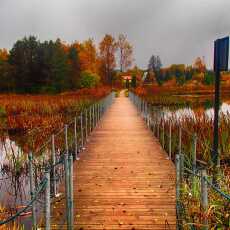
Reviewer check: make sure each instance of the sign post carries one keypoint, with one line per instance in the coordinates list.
(221, 54)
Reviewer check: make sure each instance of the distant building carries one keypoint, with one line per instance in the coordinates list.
(127, 80)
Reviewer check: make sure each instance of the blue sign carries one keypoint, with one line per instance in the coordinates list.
(221, 54)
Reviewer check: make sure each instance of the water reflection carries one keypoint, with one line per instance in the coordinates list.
(13, 175)
(189, 112)
(14, 182)
(224, 110)
(179, 114)
(14, 178)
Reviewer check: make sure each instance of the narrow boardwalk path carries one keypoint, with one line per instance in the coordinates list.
(123, 179)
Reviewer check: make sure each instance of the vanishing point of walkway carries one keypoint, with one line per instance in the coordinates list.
(123, 179)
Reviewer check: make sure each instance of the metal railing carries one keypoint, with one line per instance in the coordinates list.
(53, 162)
(189, 169)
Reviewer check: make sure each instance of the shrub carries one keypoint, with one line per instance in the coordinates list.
(134, 81)
(209, 78)
(117, 93)
(89, 79)
(2, 112)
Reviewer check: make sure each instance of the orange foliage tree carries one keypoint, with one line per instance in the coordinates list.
(3, 55)
(88, 56)
(108, 47)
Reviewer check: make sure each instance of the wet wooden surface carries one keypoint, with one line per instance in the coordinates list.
(123, 179)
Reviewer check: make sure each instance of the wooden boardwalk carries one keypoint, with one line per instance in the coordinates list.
(123, 179)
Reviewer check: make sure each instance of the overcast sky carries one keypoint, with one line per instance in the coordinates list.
(176, 30)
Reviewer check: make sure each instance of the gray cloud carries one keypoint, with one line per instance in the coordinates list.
(177, 30)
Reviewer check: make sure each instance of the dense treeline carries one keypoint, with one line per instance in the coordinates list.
(179, 72)
(32, 66)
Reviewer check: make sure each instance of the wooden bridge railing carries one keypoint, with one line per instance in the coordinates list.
(191, 173)
(54, 164)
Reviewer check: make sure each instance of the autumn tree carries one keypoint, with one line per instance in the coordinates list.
(74, 65)
(199, 65)
(125, 52)
(155, 64)
(39, 67)
(24, 57)
(108, 48)
(7, 83)
(88, 56)
(178, 70)
(3, 55)
(89, 79)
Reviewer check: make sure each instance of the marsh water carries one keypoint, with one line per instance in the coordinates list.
(14, 179)
(14, 182)
(189, 112)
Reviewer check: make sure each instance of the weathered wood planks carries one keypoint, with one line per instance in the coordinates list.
(123, 179)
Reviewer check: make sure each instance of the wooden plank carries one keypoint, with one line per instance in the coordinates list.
(124, 179)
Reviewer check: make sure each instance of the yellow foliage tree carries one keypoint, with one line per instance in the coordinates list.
(3, 55)
(199, 65)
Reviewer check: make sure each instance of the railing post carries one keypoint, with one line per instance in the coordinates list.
(180, 141)
(92, 116)
(90, 119)
(98, 112)
(86, 125)
(141, 107)
(163, 134)
(75, 139)
(182, 168)
(140, 104)
(66, 140)
(53, 164)
(158, 129)
(100, 106)
(178, 180)
(71, 192)
(47, 201)
(153, 125)
(170, 140)
(67, 171)
(31, 176)
(194, 164)
(104, 106)
(204, 198)
(149, 122)
(144, 110)
(194, 153)
(82, 131)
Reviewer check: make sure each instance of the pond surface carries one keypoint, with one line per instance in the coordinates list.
(14, 180)
(188, 112)
(15, 183)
